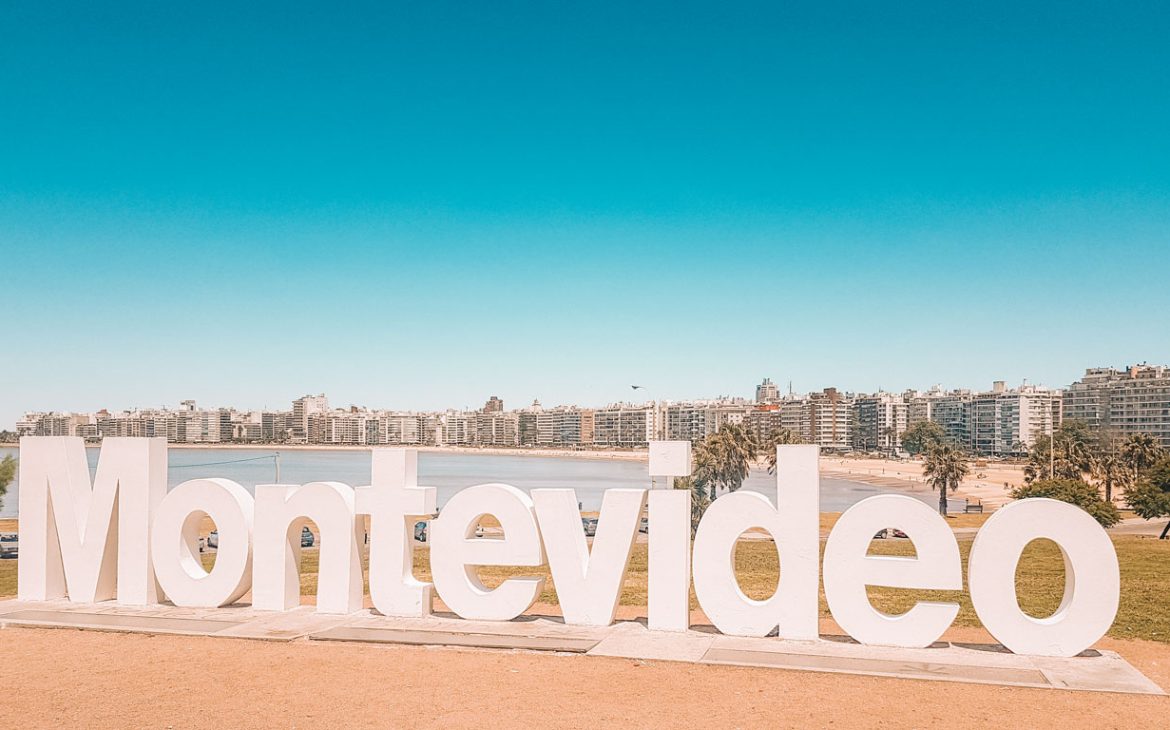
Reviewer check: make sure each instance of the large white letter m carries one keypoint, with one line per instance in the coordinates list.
(70, 542)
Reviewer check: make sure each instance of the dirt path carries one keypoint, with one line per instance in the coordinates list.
(64, 678)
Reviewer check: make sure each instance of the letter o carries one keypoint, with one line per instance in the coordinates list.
(1092, 580)
(174, 543)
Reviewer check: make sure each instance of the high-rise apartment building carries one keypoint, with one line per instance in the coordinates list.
(949, 409)
(827, 420)
(559, 426)
(526, 425)
(623, 425)
(586, 426)
(304, 407)
(688, 421)
(1008, 422)
(767, 392)
(493, 405)
(496, 428)
(1123, 402)
(879, 421)
(458, 428)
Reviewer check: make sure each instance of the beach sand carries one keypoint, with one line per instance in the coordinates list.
(603, 454)
(985, 483)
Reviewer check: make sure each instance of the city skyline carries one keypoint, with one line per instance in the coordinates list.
(1000, 421)
(633, 398)
(633, 394)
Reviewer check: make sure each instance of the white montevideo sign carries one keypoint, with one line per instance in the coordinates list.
(123, 536)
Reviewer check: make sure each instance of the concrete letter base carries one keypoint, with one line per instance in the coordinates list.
(1100, 671)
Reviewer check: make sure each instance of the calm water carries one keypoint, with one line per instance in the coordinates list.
(447, 472)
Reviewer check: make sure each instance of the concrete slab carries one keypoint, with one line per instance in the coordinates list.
(1100, 671)
(113, 622)
(634, 641)
(525, 626)
(284, 625)
(446, 638)
(1016, 677)
(1107, 673)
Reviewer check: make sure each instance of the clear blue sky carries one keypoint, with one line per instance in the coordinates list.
(420, 205)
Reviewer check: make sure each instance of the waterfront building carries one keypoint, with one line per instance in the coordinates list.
(341, 427)
(949, 409)
(997, 422)
(457, 428)
(878, 422)
(195, 426)
(827, 420)
(46, 424)
(497, 428)
(302, 409)
(586, 426)
(526, 425)
(1005, 422)
(688, 421)
(248, 428)
(402, 428)
(623, 425)
(764, 422)
(792, 415)
(560, 426)
(1122, 402)
(275, 426)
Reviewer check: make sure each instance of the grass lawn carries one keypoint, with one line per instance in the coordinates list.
(1144, 612)
(1145, 581)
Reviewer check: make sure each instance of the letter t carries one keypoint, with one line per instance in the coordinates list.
(394, 502)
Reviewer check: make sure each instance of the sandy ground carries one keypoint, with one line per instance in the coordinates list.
(985, 483)
(605, 454)
(67, 678)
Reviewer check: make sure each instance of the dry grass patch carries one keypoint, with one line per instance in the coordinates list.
(7, 578)
(1143, 613)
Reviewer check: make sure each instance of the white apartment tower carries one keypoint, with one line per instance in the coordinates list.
(1124, 402)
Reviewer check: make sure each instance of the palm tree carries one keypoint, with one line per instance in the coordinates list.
(699, 498)
(1109, 470)
(7, 474)
(724, 459)
(1140, 451)
(1067, 454)
(945, 468)
(783, 437)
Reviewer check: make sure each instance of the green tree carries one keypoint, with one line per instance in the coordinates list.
(699, 498)
(1074, 491)
(725, 458)
(783, 437)
(1149, 497)
(1140, 452)
(1067, 454)
(8, 437)
(922, 437)
(945, 468)
(1109, 470)
(7, 474)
